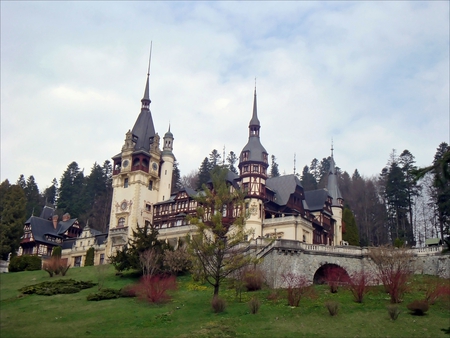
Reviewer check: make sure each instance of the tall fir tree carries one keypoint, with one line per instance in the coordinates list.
(71, 197)
(203, 173)
(308, 180)
(274, 171)
(12, 220)
(34, 200)
(50, 194)
(351, 234)
(231, 161)
(176, 178)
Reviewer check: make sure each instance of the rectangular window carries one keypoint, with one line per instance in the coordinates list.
(125, 183)
(148, 207)
(77, 261)
(102, 258)
(150, 185)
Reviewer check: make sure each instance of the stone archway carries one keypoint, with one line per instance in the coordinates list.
(329, 271)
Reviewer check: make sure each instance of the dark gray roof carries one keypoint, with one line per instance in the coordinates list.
(255, 149)
(332, 186)
(254, 121)
(283, 186)
(144, 130)
(47, 212)
(63, 226)
(41, 227)
(316, 199)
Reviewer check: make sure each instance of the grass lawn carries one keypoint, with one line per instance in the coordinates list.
(189, 313)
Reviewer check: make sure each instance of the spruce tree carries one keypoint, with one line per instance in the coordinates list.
(203, 173)
(308, 180)
(231, 160)
(351, 234)
(274, 172)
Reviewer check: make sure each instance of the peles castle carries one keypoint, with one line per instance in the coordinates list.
(278, 207)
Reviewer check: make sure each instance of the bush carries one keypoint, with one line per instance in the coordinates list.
(57, 251)
(177, 261)
(418, 307)
(55, 287)
(254, 305)
(335, 276)
(393, 311)
(359, 283)
(253, 279)
(436, 289)
(153, 289)
(218, 304)
(106, 293)
(332, 307)
(25, 263)
(128, 291)
(89, 261)
(56, 265)
(297, 287)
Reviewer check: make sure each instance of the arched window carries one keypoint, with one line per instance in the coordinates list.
(121, 222)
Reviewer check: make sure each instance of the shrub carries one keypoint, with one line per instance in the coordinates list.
(25, 263)
(153, 289)
(393, 311)
(335, 276)
(436, 289)
(297, 287)
(55, 287)
(56, 265)
(57, 251)
(359, 283)
(106, 293)
(418, 307)
(332, 307)
(128, 291)
(254, 305)
(218, 304)
(394, 267)
(89, 261)
(253, 279)
(177, 261)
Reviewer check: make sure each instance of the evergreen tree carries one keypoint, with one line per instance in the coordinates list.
(12, 219)
(71, 197)
(351, 234)
(220, 228)
(50, 193)
(90, 253)
(176, 178)
(21, 182)
(231, 160)
(324, 170)
(34, 204)
(214, 159)
(308, 180)
(3, 189)
(314, 169)
(203, 173)
(274, 172)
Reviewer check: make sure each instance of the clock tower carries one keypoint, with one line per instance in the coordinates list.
(142, 174)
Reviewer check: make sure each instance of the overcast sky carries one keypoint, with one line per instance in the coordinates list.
(372, 76)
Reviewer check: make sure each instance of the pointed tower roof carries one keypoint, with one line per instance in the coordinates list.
(144, 130)
(254, 147)
(332, 187)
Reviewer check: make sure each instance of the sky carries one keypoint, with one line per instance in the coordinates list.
(367, 76)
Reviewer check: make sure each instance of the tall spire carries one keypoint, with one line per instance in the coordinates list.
(146, 99)
(332, 186)
(254, 124)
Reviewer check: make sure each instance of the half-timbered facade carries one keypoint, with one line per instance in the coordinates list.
(43, 233)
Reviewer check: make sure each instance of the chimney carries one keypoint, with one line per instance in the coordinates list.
(55, 221)
(66, 217)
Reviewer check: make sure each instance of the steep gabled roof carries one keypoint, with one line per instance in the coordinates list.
(41, 227)
(316, 199)
(283, 186)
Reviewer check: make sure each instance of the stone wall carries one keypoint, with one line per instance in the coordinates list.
(283, 256)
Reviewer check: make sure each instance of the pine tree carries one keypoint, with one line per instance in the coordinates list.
(274, 172)
(203, 173)
(176, 178)
(34, 202)
(50, 193)
(308, 180)
(220, 228)
(71, 197)
(214, 159)
(314, 169)
(231, 160)
(351, 234)
(12, 220)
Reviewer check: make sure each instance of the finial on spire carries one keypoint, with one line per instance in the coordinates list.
(294, 163)
(149, 59)
(332, 147)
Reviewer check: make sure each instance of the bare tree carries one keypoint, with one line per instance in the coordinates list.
(149, 261)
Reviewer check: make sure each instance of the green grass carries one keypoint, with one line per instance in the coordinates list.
(189, 313)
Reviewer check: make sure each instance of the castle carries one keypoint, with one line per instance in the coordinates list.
(277, 207)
